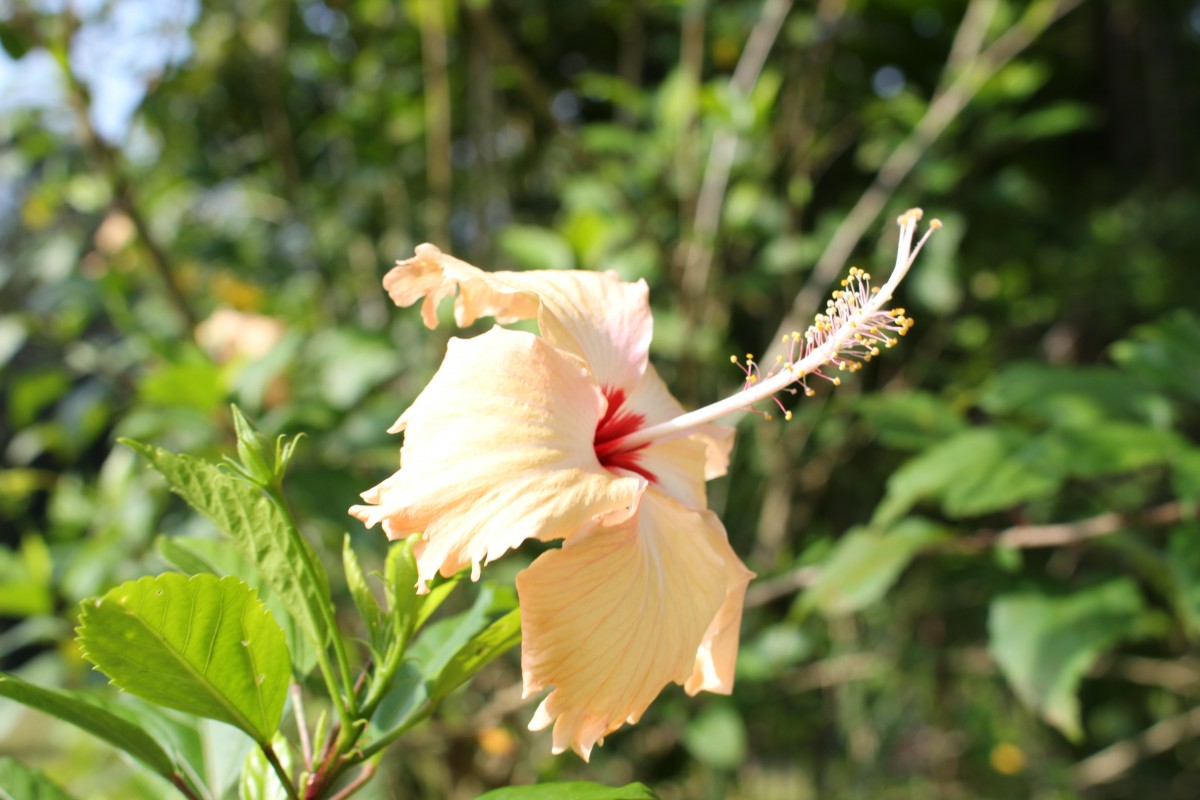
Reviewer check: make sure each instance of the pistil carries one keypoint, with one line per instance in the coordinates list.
(853, 326)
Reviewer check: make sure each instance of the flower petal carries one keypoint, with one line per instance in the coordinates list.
(717, 656)
(618, 613)
(497, 449)
(680, 466)
(594, 315)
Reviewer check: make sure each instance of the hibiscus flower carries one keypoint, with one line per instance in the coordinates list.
(572, 436)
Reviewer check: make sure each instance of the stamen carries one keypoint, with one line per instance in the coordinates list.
(848, 334)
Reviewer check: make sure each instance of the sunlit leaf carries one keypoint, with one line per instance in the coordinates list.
(284, 559)
(360, 592)
(204, 645)
(496, 639)
(193, 555)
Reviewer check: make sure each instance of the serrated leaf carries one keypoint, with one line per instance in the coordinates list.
(573, 790)
(865, 564)
(496, 639)
(19, 782)
(193, 555)
(284, 559)
(204, 645)
(92, 714)
(1044, 645)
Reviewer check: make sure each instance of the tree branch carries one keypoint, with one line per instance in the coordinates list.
(1115, 760)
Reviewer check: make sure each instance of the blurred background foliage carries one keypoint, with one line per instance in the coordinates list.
(979, 560)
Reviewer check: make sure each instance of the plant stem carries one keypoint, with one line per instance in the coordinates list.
(179, 783)
(342, 694)
(360, 780)
(301, 725)
(276, 765)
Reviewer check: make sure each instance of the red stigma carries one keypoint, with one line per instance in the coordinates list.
(617, 423)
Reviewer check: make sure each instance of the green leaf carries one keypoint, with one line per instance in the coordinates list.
(910, 420)
(975, 472)
(717, 737)
(360, 592)
(531, 247)
(865, 564)
(405, 607)
(193, 555)
(19, 782)
(92, 714)
(443, 641)
(204, 645)
(260, 530)
(1183, 563)
(1163, 354)
(1044, 645)
(496, 639)
(574, 790)
(1072, 396)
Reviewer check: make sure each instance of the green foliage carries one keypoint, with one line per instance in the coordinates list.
(1044, 644)
(204, 645)
(865, 564)
(94, 715)
(285, 154)
(19, 782)
(575, 790)
(261, 531)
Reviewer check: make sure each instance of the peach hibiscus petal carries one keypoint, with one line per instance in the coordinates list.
(617, 614)
(498, 449)
(717, 656)
(680, 466)
(594, 315)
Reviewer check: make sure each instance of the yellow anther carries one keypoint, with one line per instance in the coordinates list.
(778, 359)
(751, 379)
(795, 336)
(785, 338)
(837, 381)
(733, 359)
(808, 392)
(935, 224)
(787, 415)
(749, 356)
(768, 417)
